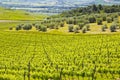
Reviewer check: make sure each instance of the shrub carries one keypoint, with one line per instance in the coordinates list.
(27, 27)
(70, 27)
(76, 29)
(92, 19)
(62, 24)
(116, 20)
(81, 25)
(56, 26)
(70, 21)
(33, 24)
(75, 22)
(10, 28)
(115, 15)
(51, 26)
(113, 28)
(99, 21)
(19, 27)
(118, 13)
(43, 28)
(37, 26)
(84, 30)
(104, 18)
(103, 28)
(86, 22)
(109, 20)
(87, 27)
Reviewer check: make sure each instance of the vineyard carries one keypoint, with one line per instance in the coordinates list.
(42, 56)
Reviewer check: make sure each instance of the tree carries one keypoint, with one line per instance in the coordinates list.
(43, 28)
(94, 7)
(19, 27)
(84, 30)
(99, 21)
(92, 19)
(81, 25)
(70, 27)
(103, 28)
(87, 27)
(38, 26)
(113, 28)
(62, 24)
(10, 28)
(51, 26)
(104, 18)
(109, 20)
(27, 27)
(100, 7)
(76, 29)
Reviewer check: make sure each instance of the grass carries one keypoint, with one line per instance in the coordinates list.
(8, 14)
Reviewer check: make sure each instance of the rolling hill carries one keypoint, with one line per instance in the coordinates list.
(9, 14)
(52, 6)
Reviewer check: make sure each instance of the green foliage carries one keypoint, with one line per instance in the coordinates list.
(38, 26)
(27, 27)
(62, 24)
(51, 25)
(70, 28)
(109, 19)
(99, 21)
(43, 28)
(87, 27)
(81, 25)
(92, 19)
(10, 28)
(103, 28)
(76, 29)
(19, 27)
(113, 28)
(84, 30)
(104, 18)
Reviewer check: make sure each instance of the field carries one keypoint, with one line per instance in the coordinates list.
(8, 14)
(29, 55)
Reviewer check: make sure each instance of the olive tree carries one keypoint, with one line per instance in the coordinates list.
(84, 30)
(99, 21)
(113, 28)
(76, 29)
(27, 27)
(43, 28)
(70, 28)
(109, 20)
(19, 27)
(92, 19)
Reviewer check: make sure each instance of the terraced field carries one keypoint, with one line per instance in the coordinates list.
(42, 56)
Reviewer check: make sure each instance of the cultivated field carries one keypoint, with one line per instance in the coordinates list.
(43, 56)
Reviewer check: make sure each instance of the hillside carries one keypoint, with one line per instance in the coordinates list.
(92, 19)
(52, 6)
(9, 14)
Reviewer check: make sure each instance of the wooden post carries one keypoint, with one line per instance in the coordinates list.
(29, 71)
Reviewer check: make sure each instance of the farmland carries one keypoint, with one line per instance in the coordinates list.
(58, 56)
(9, 14)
